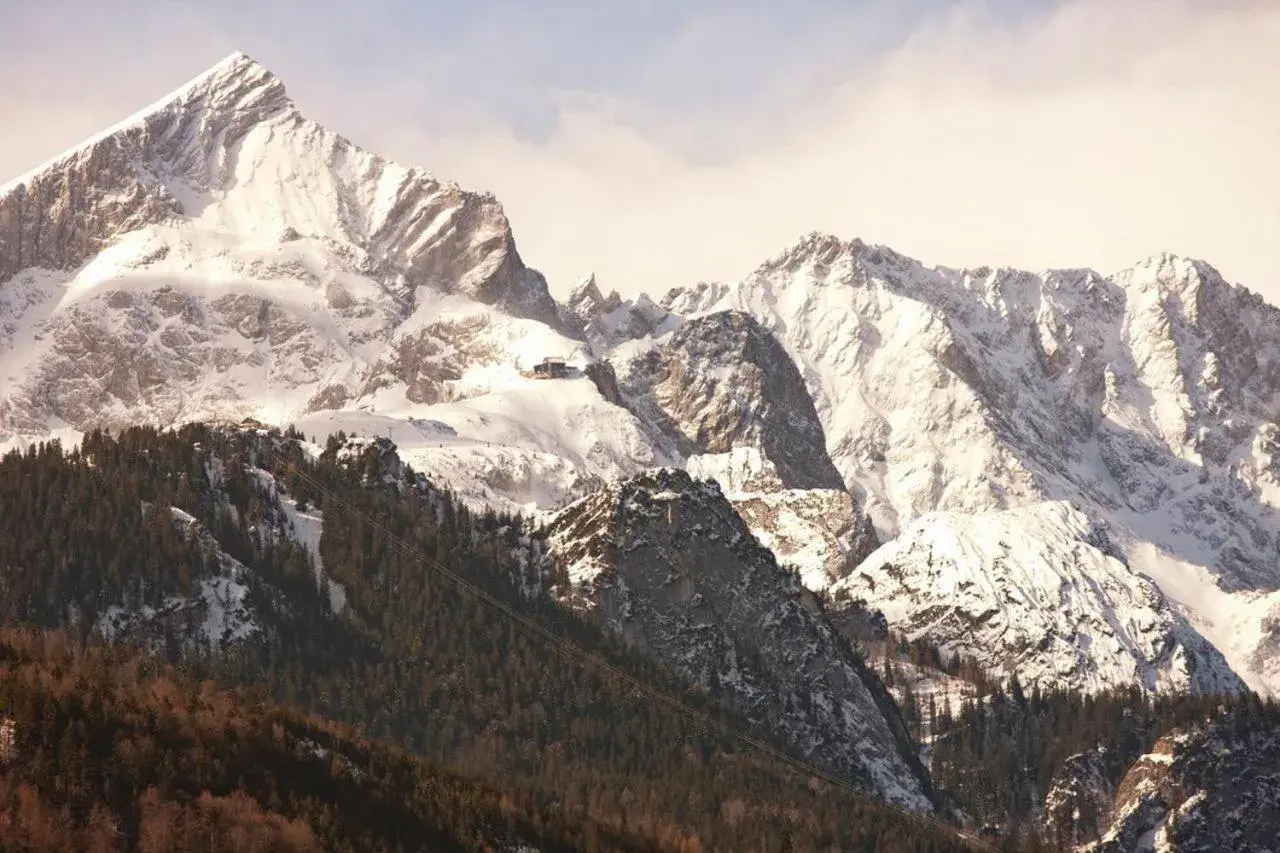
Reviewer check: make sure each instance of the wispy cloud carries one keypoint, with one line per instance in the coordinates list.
(679, 141)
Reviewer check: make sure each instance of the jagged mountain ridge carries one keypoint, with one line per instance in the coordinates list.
(974, 391)
(608, 320)
(199, 146)
(1037, 375)
(218, 255)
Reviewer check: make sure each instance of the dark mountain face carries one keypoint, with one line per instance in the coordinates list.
(1209, 787)
(1078, 805)
(663, 562)
(1111, 771)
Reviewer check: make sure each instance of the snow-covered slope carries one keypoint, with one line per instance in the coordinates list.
(1146, 400)
(525, 446)
(218, 254)
(1040, 591)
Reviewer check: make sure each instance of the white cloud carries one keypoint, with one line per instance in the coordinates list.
(1094, 137)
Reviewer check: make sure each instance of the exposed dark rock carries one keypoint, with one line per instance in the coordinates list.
(664, 562)
(1214, 788)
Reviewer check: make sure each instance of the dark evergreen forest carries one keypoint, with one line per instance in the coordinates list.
(410, 660)
(114, 751)
(999, 752)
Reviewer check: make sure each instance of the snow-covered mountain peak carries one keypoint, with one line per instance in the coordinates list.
(217, 254)
(825, 260)
(813, 246)
(585, 288)
(235, 64)
(588, 301)
(606, 319)
(832, 260)
(723, 395)
(230, 153)
(1147, 399)
(1168, 268)
(236, 75)
(1189, 282)
(232, 91)
(814, 256)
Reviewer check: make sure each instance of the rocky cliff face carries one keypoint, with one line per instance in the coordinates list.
(721, 382)
(819, 534)
(725, 397)
(1077, 808)
(1209, 788)
(664, 562)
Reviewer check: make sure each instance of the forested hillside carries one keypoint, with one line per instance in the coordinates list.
(1000, 753)
(171, 533)
(114, 751)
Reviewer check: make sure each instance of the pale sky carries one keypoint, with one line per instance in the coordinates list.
(663, 142)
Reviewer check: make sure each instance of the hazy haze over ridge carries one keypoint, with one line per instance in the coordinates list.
(680, 141)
